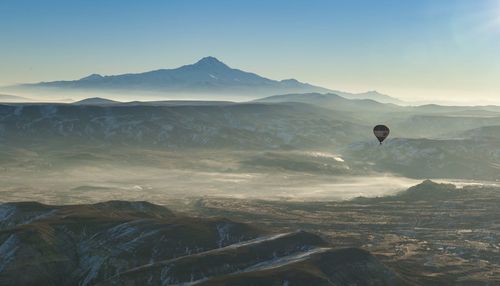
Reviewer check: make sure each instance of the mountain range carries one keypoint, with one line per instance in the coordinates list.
(176, 125)
(332, 101)
(208, 76)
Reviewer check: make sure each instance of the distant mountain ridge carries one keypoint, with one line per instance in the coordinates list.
(330, 100)
(207, 76)
(373, 95)
(95, 101)
(13, 98)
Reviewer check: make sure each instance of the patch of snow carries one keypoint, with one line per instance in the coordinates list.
(91, 266)
(258, 240)
(326, 155)
(121, 230)
(129, 246)
(42, 216)
(137, 188)
(273, 263)
(165, 279)
(223, 233)
(278, 262)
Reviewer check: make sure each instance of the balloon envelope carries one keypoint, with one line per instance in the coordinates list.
(381, 132)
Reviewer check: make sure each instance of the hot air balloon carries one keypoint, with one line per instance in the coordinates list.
(381, 132)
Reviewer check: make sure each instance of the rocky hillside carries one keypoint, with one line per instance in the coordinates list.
(138, 243)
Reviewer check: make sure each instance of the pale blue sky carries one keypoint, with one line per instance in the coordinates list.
(410, 49)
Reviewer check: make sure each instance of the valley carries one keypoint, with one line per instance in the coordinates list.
(281, 190)
(250, 143)
(431, 234)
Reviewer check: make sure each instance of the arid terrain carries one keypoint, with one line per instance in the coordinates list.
(432, 234)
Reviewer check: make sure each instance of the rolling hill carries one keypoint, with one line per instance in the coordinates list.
(14, 98)
(237, 126)
(332, 101)
(373, 95)
(96, 101)
(138, 243)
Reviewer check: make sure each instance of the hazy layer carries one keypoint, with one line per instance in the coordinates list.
(179, 176)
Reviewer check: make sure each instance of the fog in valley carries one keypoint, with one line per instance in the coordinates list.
(310, 146)
(162, 176)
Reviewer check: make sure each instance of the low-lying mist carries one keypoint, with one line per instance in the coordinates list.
(159, 177)
(67, 96)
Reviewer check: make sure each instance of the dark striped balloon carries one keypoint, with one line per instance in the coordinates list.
(381, 132)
